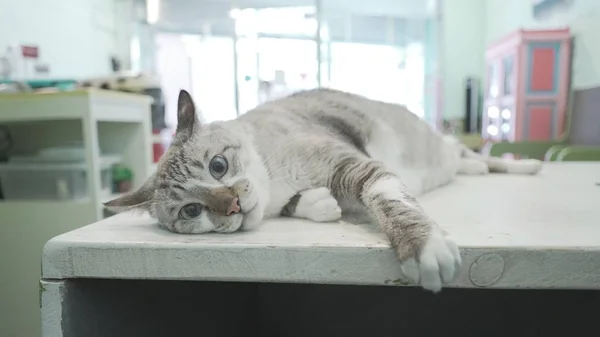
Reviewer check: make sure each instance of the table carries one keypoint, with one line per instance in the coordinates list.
(515, 232)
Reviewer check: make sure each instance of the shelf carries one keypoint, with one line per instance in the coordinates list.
(102, 122)
(100, 105)
(16, 204)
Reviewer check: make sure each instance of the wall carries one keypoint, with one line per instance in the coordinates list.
(461, 52)
(583, 17)
(76, 38)
(468, 26)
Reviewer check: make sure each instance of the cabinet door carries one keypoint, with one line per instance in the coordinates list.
(542, 77)
(508, 99)
(540, 121)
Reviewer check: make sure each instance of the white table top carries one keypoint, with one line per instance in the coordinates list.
(514, 232)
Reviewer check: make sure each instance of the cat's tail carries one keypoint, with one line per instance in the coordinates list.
(472, 163)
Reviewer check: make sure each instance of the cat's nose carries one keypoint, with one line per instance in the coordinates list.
(234, 207)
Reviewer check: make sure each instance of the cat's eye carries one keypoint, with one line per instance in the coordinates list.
(190, 211)
(218, 166)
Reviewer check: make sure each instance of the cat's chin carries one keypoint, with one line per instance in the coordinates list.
(228, 229)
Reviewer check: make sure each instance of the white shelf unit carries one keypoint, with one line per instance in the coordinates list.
(105, 122)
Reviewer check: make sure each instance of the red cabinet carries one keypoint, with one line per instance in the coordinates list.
(527, 86)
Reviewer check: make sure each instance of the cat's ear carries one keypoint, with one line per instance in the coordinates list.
(187, 120)
(140, 200)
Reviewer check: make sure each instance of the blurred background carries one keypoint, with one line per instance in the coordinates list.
(233, 55)
(88, 90)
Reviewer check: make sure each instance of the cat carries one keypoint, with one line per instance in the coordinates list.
(313, 155)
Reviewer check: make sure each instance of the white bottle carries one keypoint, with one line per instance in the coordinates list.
(62, 189)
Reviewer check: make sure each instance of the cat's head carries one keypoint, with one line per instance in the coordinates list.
(211, 179)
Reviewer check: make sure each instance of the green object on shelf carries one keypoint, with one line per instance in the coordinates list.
(579, 153)
(553, 151)
(60, 84)
(549, 151)
(121, 173)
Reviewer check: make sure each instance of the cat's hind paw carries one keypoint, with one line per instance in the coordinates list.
(525, 166)
(437, 264)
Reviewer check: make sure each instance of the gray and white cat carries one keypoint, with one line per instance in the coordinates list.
(312, 155)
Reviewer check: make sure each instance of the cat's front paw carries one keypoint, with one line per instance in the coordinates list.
(436, 264)
(318, 205)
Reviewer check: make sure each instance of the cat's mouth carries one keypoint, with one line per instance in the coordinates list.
(251, 215)
(245, 210)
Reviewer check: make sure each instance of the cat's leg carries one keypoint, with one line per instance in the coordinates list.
(502, 165)
(458, 155)
(522, 166)
(315, 204)
(471, 166)
(428, 257)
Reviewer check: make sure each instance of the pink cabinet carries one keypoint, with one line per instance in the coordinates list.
(527, 85)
